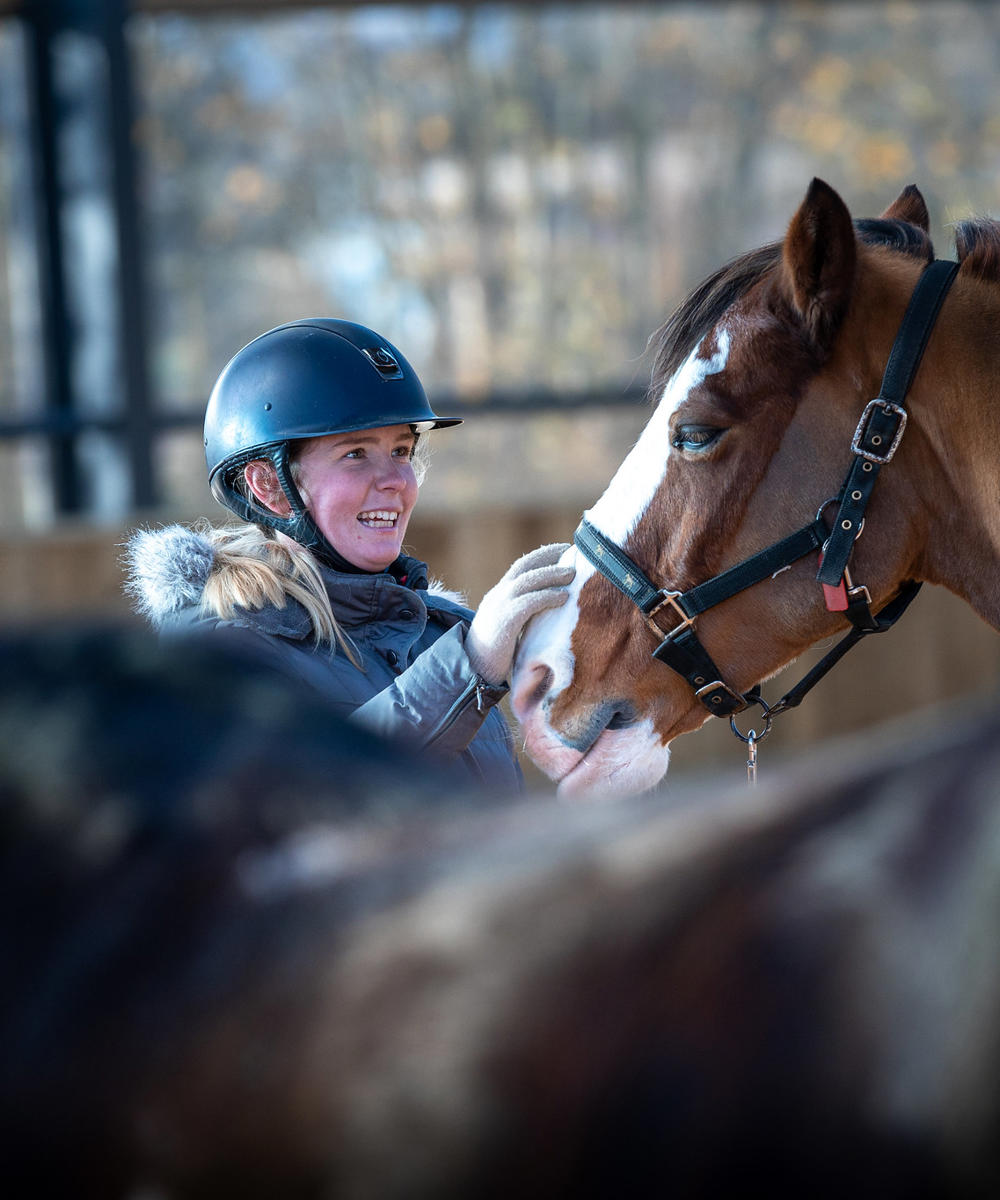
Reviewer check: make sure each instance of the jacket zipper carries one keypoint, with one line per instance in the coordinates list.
(475, 687)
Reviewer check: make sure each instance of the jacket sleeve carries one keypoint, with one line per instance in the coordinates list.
(438, 703)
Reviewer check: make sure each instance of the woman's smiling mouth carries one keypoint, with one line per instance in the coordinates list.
(378, 519)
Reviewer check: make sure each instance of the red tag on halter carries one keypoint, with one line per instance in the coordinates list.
(835, 594)
(836, 597)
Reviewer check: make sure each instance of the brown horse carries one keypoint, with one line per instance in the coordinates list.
(761, 378)
(250, 953)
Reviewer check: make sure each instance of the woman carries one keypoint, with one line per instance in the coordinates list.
(310, 437)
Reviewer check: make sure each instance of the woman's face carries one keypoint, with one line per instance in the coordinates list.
(360, 490)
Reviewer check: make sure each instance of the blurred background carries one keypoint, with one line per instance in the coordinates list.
(517, 195)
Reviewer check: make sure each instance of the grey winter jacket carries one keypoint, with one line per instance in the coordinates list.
(417, 684)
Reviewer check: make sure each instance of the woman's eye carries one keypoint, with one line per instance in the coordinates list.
(695, 437)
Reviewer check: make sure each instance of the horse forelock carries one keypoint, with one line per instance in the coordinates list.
(977, 244)
(896, 235)
(702, 310)
(698, 315)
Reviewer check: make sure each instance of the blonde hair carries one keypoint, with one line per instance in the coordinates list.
(253, 567)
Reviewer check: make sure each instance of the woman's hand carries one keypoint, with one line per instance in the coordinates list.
(534, 583)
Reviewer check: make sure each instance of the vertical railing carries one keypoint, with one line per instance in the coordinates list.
(132, 294)
(42, 21)
(103, 21)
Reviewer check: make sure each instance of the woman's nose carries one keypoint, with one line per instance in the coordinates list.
(393, 474)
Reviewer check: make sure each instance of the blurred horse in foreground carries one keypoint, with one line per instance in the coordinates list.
(250, 952)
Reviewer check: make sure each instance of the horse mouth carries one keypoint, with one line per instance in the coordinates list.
(620, 761)
(579, 782)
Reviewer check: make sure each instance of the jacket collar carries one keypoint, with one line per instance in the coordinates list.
(358, 600)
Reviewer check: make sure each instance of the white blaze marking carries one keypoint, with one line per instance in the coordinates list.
(635, 483)
(618, 512)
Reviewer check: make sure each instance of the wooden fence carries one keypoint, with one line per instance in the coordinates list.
(939, 651)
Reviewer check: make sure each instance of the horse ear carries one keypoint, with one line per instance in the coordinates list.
(818, 261)
(909, 206)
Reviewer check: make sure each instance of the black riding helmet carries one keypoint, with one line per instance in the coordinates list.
(303, 380)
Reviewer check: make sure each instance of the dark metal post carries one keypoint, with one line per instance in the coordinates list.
(43, 19)
(133, 332)
(103, 20)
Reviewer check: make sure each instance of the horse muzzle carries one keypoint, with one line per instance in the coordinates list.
(589, 750)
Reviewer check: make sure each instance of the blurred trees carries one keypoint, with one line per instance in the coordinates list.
(515, 195)
(519, 195)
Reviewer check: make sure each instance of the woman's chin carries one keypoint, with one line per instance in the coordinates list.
(374, 551)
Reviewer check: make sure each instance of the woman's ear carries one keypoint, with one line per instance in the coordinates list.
(262, 480)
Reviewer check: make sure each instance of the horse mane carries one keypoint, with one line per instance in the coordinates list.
(977, 244)
(706, 305)
(896, 234)
(703, 309)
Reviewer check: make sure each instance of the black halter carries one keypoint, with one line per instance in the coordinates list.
(672, 614)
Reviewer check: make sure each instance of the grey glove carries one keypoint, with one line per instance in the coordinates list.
(534, 583)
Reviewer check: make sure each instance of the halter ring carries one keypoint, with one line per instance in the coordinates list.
(822, 509)
(752, 735)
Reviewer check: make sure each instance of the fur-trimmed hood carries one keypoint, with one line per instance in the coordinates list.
(167, 570)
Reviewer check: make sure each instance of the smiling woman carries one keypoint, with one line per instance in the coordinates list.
(359, 486)
(310, 438)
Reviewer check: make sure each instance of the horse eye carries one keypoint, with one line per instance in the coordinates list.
(695, 437)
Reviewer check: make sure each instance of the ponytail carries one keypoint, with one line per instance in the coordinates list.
(254, 567)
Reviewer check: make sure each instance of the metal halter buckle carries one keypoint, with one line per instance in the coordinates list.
(669, 600)
(859, 433)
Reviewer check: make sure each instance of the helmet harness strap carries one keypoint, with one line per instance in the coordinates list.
(301, 527)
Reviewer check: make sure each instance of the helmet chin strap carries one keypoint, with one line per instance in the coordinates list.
(301, 527)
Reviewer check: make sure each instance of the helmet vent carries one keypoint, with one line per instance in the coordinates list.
(384, 361)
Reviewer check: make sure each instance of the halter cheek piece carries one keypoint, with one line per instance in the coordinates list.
(671, 614)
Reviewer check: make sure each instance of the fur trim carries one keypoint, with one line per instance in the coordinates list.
(167, 570)
(436, 588)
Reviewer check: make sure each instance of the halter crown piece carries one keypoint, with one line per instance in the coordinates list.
(671, 614)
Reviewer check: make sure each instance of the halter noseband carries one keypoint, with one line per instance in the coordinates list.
(875, 441)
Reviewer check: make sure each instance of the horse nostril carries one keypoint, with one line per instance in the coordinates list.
(530, 689)
(542, 686)
(622, 717)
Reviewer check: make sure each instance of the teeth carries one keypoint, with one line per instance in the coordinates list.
(378, 515)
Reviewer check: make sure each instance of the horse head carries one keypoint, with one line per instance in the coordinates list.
(759, 380)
